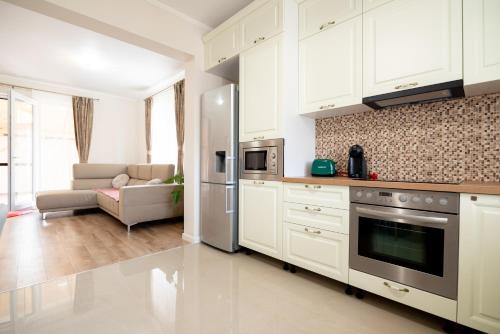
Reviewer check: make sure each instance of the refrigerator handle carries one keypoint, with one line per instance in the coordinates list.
(230, 169)
(229, 199)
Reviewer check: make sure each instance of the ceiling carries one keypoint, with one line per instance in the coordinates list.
(37, 47)
(208, 12)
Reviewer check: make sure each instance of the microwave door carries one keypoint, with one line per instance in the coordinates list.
(219, 136)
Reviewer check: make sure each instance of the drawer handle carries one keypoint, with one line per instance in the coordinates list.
(311, 231)
(328, 106)
(396, 288)
(312, 209)
(411, 84)
(324, 25)
(317, 187)
(259, 137)
(258, 39)
(258, 182)
(221, 60)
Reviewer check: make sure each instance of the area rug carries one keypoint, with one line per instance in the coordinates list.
(16, 213)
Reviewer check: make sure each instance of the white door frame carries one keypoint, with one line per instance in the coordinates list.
(13, 96)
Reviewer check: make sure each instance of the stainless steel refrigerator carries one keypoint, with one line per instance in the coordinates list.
(219, 170)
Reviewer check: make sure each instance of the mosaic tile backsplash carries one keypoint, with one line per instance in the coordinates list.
(446, 142)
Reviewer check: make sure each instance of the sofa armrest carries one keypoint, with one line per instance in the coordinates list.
(148, 195)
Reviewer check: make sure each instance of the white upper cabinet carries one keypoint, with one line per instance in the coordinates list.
(481, 46)
(260, 91)
(330, 69)
(260, 216)
(411, 43)
(370, 4)
(221, 47)
(319, 15)
(479, 259)
(263, 23)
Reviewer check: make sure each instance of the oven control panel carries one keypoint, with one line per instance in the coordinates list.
(408, 199)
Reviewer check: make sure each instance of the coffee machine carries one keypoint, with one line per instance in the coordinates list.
(356, 167)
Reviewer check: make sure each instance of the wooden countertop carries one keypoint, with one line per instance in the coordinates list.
(490, 188)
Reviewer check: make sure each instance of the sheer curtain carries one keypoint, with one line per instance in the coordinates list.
(56, 142)
(163, 133)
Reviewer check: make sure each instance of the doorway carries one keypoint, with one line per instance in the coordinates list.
(17, 167)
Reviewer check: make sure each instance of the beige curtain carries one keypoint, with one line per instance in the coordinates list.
(149, 104)
(179, 124)
(83, 115)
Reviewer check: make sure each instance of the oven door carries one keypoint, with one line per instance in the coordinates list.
(255, 160)
(412, 247)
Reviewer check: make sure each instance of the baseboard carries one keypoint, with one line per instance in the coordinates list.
(190, 238)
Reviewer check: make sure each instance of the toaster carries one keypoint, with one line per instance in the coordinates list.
(323, 167)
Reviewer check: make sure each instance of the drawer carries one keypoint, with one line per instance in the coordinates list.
(321, 251)
(335, 220)
(422, 300)
(314, 194)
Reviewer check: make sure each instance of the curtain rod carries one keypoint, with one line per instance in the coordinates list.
(47, 91)
(161, 91)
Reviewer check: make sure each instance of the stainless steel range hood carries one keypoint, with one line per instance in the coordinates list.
(442, 91)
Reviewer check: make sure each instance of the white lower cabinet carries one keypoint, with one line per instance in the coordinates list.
(479, 262)
(428, 302)
(334, 220)
(321, 251)
(260, 216)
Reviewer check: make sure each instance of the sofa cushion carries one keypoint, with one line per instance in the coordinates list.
(111, 192)
(98, 171)
(107, 203)
(65, 199)
(144, 172)
(89, 184)
(154, 181)
(136, 182)
(120, 181)
(162, 172)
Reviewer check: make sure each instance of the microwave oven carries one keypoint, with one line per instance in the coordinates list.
(262, 160)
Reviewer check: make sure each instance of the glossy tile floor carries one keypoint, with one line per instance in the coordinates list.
(197, 289)
(33, 250)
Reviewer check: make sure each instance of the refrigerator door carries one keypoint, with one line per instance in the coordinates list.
(219, 225)
(219, 135)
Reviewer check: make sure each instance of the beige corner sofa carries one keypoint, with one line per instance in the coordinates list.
(132, 204)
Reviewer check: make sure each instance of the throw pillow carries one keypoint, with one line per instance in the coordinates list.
(154, 181)
(120, 181)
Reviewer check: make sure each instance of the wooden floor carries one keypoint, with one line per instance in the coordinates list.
(33, 251)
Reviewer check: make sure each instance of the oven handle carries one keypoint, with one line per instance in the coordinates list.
(417, 218)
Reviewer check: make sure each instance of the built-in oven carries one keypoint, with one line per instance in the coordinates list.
(409, 237)
(262, 160)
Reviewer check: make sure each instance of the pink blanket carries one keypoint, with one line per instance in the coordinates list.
(111, 192)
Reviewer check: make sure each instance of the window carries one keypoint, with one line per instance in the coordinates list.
(163, 131)
(56, 140)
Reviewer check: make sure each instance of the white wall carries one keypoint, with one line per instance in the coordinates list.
(116, 135)
(146, 24)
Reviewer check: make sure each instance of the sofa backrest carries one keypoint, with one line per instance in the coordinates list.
(92, 176)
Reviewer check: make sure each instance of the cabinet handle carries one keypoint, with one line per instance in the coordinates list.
(473, 198)
(311, 231)
(258, 182)
(396, 288)
(324, 25)
(328, 106)
(259, 137)
(317, 187)
(221, 59)
(258, 39)
(312, 209)
(411, 84)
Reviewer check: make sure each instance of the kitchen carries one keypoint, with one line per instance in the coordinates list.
(413, 217)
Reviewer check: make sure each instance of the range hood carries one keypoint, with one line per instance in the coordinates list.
(442, 91)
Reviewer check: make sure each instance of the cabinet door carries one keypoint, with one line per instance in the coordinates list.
(221, 47)
(263, 23)
(330, 67)
(411, 43)
(370, 4)
(318, 15)
(260, 91)
(323, 252)
(481, 41)
(479, 259)
(260, 216)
